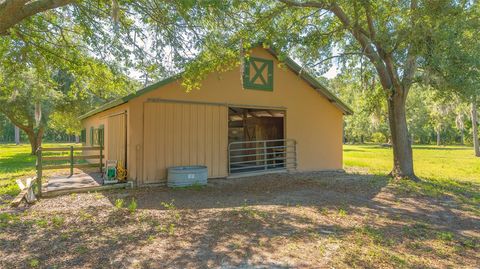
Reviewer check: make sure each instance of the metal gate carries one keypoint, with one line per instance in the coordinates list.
(261, 156)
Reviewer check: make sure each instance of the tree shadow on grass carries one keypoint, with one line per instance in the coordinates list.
(270, 221)
(423, 147)
(17, 163)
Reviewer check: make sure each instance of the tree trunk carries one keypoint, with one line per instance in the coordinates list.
(35, 139)
(17, 135)
(476, 145)
(439, 138)
(402, 148)
(462, 137)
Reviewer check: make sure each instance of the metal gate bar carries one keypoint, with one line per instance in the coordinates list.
(262, 156)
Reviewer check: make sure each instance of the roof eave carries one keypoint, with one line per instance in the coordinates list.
(126, 99)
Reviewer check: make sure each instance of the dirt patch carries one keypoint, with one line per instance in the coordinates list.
(304, 220)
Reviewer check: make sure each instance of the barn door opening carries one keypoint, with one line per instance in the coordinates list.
(257, 141)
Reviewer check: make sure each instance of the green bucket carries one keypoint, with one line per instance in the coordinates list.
(111, 173)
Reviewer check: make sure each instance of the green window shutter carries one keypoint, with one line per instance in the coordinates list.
(258, 74)
(101, 135)
(92, 131)
(83, 136)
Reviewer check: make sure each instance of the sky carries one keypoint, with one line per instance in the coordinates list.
(332, 72)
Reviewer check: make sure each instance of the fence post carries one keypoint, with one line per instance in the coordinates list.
(71, 160)
(265, 154)
(101, 159)
(39, 170)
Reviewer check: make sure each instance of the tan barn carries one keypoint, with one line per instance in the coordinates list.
(279, 119)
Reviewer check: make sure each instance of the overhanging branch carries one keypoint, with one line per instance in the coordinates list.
(13, 12)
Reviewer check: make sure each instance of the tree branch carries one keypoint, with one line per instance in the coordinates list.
(13, 12)
(367, 45)
(337, 56)
(361, 35)
(15, 121)
(411, 62)
(371, 27)
(316, 4)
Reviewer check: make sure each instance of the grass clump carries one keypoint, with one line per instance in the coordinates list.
(342, 212)
(119, 203)
(58, 221)
(445, 236)
(34, 263)
(132, 206)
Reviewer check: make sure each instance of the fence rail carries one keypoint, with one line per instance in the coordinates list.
(71, 158)
(261, 156)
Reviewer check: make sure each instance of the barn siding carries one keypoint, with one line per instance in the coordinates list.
(314, 122)
(184, 134)
(115, 138)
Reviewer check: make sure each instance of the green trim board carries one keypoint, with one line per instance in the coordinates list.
(125, 99)
(92, 131)
(290, 63)
(101, 135)
(257, 79)
(83, 136)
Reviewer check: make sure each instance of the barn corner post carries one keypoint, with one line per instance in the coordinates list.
(101, 159)
(39, 170)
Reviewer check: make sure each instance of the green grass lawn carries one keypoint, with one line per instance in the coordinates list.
(430, 162)
(17, 162)
(450, 163)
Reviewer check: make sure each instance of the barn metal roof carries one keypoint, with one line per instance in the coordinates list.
(290, 63)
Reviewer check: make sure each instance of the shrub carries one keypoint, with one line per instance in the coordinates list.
(378, 138)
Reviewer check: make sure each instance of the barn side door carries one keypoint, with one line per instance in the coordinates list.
(116, 142)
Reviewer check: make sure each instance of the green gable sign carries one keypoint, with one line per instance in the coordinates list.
(258, 74)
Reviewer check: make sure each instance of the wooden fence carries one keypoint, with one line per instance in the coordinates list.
(71, 158)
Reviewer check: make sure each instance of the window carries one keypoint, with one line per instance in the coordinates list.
(258, 74)
(97, 136)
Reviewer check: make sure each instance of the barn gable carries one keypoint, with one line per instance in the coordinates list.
(247, 81)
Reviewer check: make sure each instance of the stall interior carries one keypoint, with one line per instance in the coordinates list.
(256, 139)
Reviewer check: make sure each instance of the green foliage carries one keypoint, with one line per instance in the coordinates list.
(58, 221)
(342, 212)
(174, 215)
(6, 219)
(379, 138)
(445, 236)
(42, 223)
(119, 203)
(34, 263)
(132, 206)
